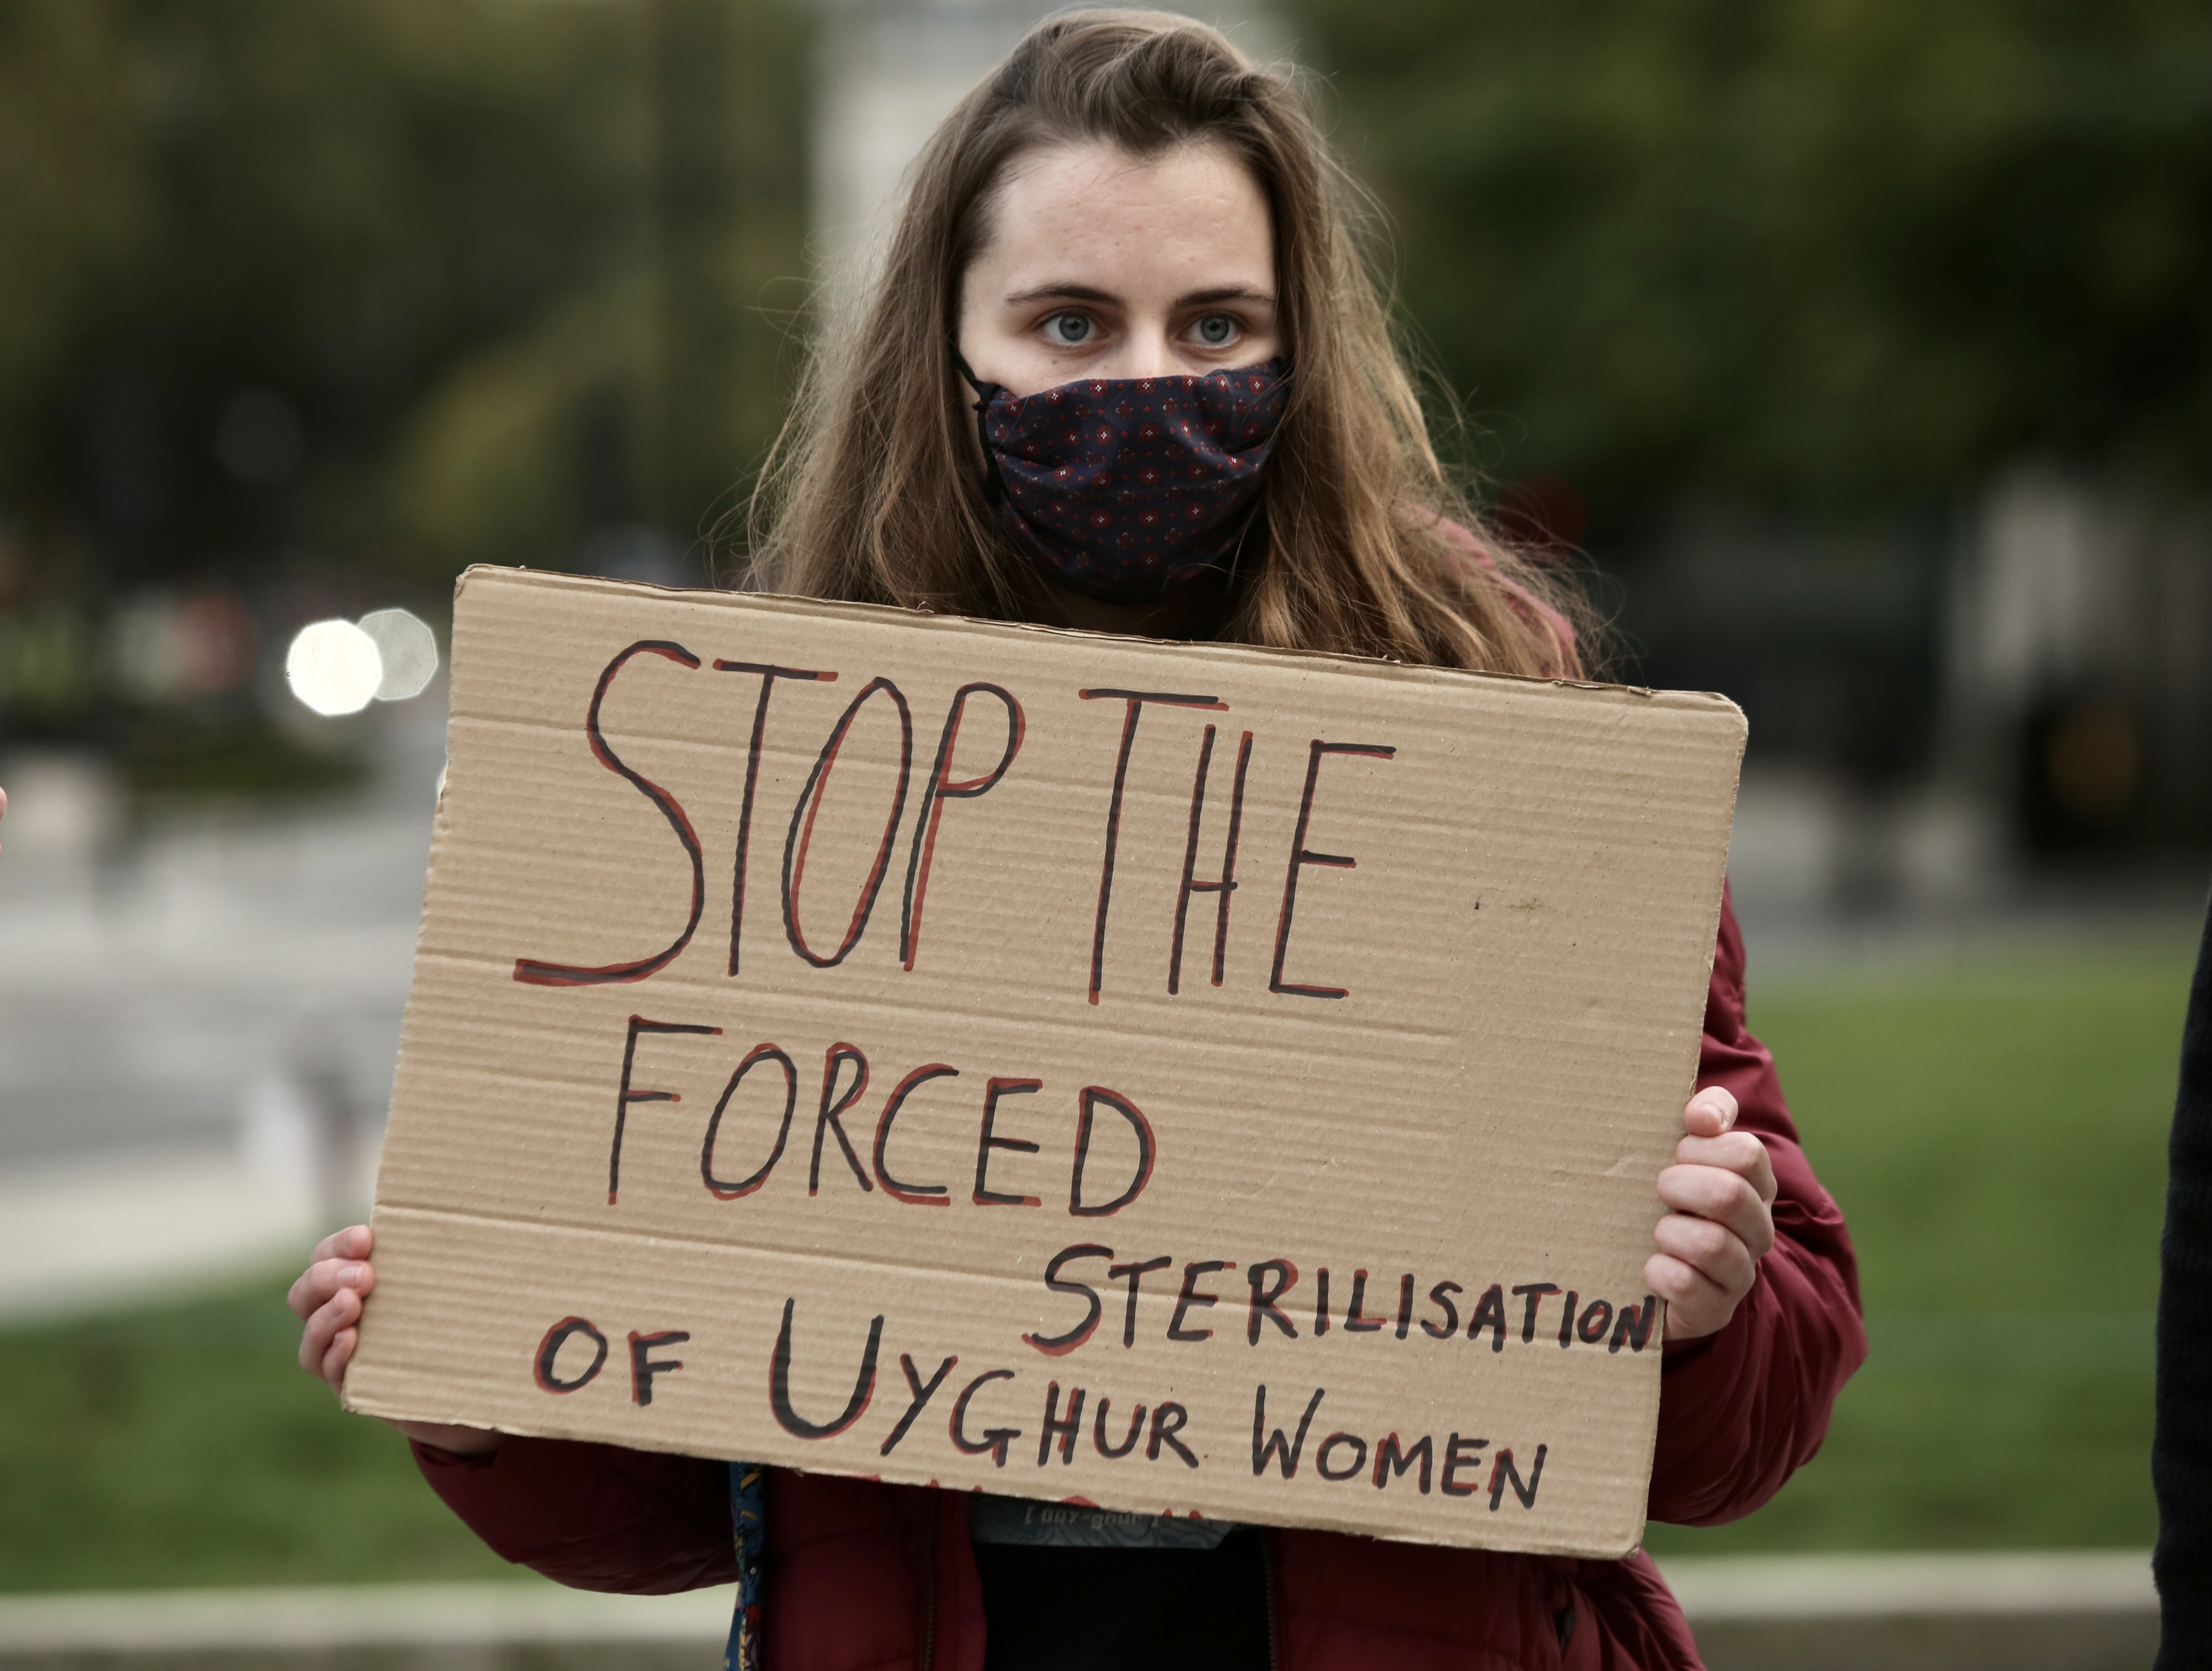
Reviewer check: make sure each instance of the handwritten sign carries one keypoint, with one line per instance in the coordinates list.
(1181, 1078)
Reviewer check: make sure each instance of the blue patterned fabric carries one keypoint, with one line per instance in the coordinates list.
(748, 1522)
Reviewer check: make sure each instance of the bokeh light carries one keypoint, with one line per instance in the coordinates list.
(334, 667)
(409, 649)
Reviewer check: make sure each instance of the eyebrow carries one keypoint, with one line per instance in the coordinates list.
(1065, 292)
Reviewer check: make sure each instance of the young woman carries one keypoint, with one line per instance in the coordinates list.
(1126, 208)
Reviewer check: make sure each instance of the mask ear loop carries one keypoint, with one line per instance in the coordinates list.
(995, 485)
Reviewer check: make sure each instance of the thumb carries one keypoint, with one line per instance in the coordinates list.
(1710, 1113)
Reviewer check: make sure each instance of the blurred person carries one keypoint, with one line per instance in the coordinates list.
(1126, 211)
(2181, 1445)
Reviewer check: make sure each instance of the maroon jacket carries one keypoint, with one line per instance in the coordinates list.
(865, 1576)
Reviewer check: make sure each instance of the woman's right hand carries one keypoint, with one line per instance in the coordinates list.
(327, 1299)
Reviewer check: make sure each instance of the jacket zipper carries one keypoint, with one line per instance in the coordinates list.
(929, 1603)
(1267, 1570)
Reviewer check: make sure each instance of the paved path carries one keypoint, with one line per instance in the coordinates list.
(2040, 1609)
(198, 1027)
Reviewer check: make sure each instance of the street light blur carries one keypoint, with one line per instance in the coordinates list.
(408, 649)
(337, 667)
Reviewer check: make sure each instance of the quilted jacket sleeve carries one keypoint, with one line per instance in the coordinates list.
(594, 1516)
(1741, 1410)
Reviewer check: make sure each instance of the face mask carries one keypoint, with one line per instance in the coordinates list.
(1124, 489)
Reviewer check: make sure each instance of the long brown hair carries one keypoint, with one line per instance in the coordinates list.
(874, 495)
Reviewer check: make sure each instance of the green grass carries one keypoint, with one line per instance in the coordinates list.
(1995, 1133)
(184, 1446)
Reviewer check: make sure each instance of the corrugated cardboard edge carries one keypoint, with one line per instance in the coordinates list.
(1208, 649)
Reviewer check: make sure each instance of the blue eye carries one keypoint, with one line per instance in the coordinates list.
(1216, 330)
(1069, 328)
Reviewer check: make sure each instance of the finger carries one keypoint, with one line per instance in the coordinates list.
(1710, 1113)
(1713, 1251)
(342, 1311)
(1695, 1305)
(354, 1242)
(1740, 1152)
(1730, 1201)
(338, 1356)
(325, 1278)
(313, 1288)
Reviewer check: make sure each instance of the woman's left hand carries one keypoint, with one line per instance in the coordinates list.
(1720, 1191)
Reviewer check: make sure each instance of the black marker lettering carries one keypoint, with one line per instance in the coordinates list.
(1329, 1446)
(1271, 1278)
(1440, 1296)
(1504, 1473)
(1489, 1313)
(994, 1440)
(1055, 1426)
(1598, 1317)
(769, 675)
(1136, 701)
(941, 788)
(914, 1194)
(1190, 1298)
(1112, 1454)
(1634, 1327)
(992, 1090)
(1087, 1104)
(1300, 857)
(1538, 1292)
(1282, 1452)
(532, 973)
(1462, 1454)
(625, 1097)
(923, 1391)
(1226, 883)
(1168, 1421)
(545, 1370)
(730, 1192)
(1356, 1320)
(1391, 1461)
(644, 1365)
(809, 806)
(1133, 1275)
(831, 1114)
(778, 1385)
(1054, 1345)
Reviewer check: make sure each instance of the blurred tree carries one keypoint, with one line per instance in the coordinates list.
(379, 280)
(72, 198)
(1803, 254)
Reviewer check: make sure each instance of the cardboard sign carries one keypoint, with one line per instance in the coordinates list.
(1182, 1079)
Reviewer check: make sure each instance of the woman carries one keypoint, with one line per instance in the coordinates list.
(1127, 206)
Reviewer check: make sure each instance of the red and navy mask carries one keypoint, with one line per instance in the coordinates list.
(1125, 489)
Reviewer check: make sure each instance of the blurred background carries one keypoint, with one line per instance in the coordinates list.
(1862, 354)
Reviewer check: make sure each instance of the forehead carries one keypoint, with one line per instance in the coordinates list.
(1091, 212)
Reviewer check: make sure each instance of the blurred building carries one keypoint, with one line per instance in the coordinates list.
(891, 70)
(2079, 664)
(1948, 711)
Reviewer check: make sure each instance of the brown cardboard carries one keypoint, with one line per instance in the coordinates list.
(1453, 1051)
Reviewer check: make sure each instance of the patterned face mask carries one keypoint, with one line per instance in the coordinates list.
(1123, 490)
